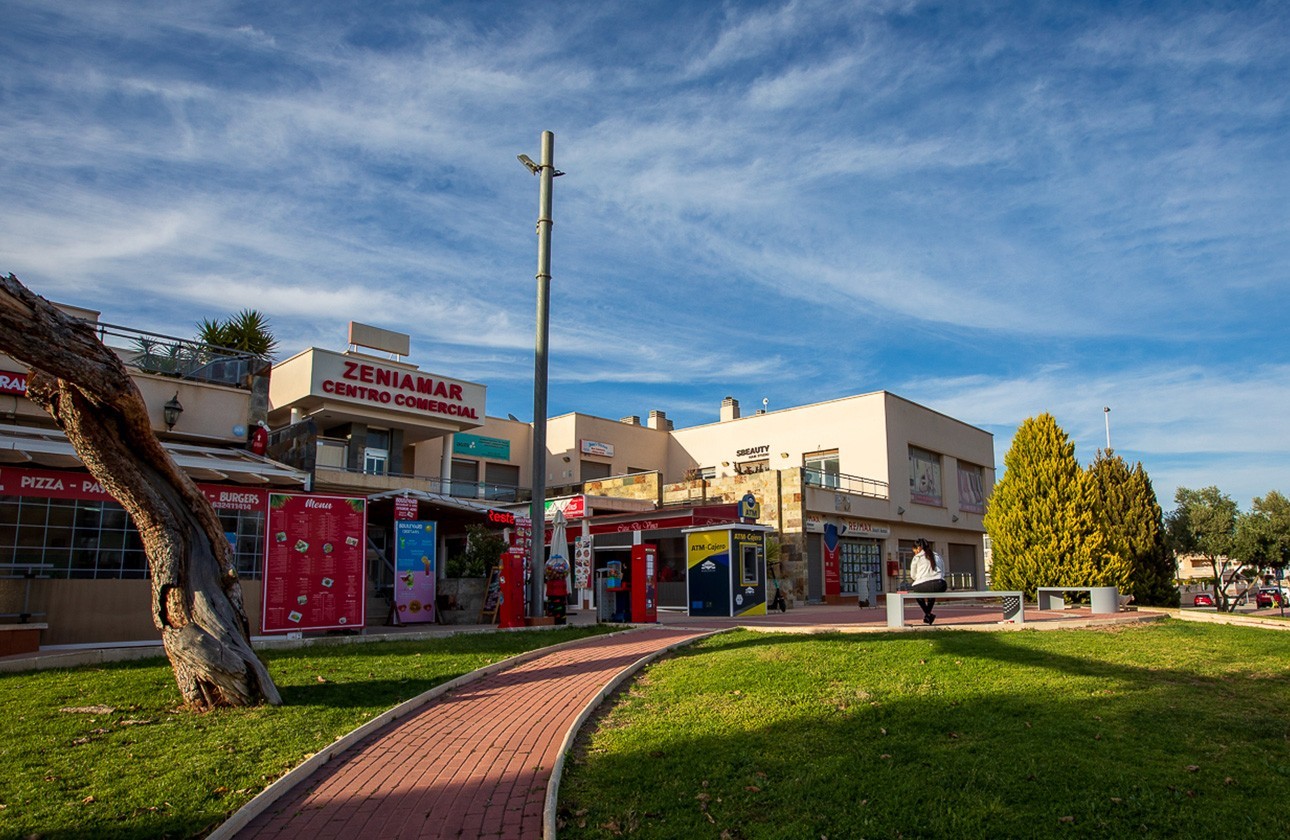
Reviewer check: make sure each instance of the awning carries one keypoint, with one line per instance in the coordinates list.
(440, 499)
(24, 445)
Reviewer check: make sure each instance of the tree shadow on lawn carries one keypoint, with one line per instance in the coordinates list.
(951, 746)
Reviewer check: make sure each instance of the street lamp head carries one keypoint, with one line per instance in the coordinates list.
(1107, 408)
(171, 410)
(528, 162)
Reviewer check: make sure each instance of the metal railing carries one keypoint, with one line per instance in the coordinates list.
(180, 357)
(484, 490)
(858, 485)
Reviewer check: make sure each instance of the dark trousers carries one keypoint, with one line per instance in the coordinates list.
(926, 604)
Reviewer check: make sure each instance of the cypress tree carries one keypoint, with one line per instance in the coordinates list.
(1040, 519)
(1125, 510)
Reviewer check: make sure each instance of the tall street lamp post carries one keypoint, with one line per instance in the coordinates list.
(546, 172)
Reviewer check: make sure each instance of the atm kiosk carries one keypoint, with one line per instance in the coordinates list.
(726, 570)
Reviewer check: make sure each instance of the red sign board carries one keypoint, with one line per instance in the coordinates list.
(314, 569)
(405, 507)
(76, 484)
(13, 382)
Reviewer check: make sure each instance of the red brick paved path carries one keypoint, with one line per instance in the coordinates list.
(473, 763)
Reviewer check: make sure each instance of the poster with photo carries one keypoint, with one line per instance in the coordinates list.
(314, 565)
(415, 570)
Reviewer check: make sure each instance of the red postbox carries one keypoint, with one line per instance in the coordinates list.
(644, 584)
(893, 568)
(510, 595)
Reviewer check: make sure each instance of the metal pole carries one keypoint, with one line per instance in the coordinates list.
(1106, 412)
(538, 508)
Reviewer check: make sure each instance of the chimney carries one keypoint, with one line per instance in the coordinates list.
(631, 420)
(658, 420)
(729, 409)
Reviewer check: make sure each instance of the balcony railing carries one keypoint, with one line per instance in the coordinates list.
(180, 357)
(481, 490)
(858, 485)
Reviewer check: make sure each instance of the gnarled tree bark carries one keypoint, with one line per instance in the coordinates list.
(196, 597)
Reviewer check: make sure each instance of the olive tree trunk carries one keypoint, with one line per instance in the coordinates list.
(196, 597)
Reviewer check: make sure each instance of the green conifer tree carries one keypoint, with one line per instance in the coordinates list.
(1040, 520)
(1126, 512)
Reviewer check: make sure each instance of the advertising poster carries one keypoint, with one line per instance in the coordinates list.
(582, 562)
(832, 561)
(415, 567)
(708, 572)
(314, 565)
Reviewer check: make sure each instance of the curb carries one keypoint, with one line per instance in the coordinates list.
(287, 782)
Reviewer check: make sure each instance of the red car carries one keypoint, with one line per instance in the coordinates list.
(1204, 599)
(1270, 596)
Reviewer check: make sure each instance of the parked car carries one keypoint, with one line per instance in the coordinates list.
(1271, 596)
(1204, 599)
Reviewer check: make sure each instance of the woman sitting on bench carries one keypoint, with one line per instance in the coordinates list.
(928, 571)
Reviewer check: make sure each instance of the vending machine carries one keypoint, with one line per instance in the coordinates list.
(644, 584)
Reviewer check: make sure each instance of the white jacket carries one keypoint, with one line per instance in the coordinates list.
(921, 571)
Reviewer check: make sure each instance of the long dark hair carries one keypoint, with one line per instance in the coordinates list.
(926, 548)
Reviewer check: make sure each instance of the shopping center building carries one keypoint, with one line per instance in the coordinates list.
(846, 484)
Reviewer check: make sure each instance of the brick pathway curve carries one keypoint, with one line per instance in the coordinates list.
(473, 763)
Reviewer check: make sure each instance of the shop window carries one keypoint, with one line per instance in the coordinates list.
(750, 467)
(925, 477)
(823, 468)
(858, 560)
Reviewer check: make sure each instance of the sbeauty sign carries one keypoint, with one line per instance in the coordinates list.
(372, 383)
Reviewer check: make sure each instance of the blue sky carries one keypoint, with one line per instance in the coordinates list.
(992, 209)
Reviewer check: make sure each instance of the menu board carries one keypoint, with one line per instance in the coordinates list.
(414, 566)
(314, 569)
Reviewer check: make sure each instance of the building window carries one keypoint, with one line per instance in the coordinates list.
(376, 453)
(591, 470)
(501, 482)
(822, 468)
(465, 477)
(971, 488)
(925, 477)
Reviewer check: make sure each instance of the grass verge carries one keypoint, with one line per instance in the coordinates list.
(106, 751)
(1173, 729)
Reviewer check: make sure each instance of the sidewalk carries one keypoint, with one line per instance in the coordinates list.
(477, 761)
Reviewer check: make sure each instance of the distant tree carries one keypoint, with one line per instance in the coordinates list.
(1135, 558)
(1262, 537)
(1040, 518)
(483, 551)
(248, 331)
(1204, 522)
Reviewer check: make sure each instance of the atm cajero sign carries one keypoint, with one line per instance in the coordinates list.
(371, 383)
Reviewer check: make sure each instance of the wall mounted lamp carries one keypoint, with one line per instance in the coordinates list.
(954, 518)
(725, 463)
(171, 410)
(567, 459)
(900, 511)
(783, 454)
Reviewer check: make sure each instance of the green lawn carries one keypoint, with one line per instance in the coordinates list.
(150, 769)
(1168, 730)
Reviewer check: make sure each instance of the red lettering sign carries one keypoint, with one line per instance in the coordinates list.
(12, 382)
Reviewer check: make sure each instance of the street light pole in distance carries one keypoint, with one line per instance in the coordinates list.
(1106, 412)
(537, 511)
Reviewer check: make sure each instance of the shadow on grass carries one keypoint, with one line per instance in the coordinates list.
(965, 734)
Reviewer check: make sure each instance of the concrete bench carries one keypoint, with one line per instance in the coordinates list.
(1104, 599)
(1012, 603)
